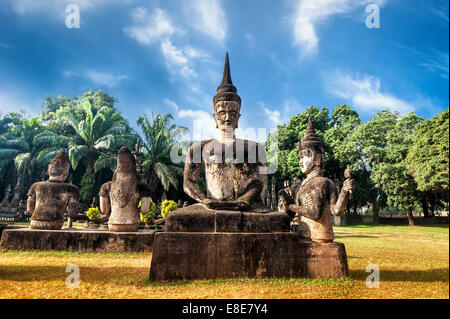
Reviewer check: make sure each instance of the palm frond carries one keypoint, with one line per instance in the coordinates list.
(105, 161)
(7, 153)
(44, 157)
(76, 153)
(166, 176)
(22, 160)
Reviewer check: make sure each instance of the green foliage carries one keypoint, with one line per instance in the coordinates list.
(168, 206)
(390, 173)
(93, 214)
(288, 137)
(87, 186)
(90, 129)
(428, 155)
(17, 150)
(149, 216)
(159, 138)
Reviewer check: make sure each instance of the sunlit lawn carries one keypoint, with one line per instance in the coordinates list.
(413, 263)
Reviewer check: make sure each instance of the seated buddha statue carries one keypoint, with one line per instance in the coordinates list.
(235, 174)
(233, 167)
(48, 201)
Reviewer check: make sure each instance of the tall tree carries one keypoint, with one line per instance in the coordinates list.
(17, 147)
(98, 135)
(386, 141)
(428, 157)
(159, 137)
(370, 140)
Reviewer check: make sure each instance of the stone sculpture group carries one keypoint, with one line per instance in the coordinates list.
(229, 232)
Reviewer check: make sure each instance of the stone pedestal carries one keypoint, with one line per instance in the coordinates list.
(77, 240)
(196, 218)
(209, 255)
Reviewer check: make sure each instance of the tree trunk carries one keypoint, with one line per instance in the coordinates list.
(410, 216)
(18, 189)
(431, 208)
(424, 204)
(376, 211)
(153, 182)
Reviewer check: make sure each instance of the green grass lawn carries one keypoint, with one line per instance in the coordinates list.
(413, 263)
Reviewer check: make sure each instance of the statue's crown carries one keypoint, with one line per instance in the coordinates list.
(226, 91)
(60, 159)
(311, 139)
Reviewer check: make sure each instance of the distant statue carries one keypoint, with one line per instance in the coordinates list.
(48, 201)
(234, 168)
(317, 195)
(120, 197)
(5, 201)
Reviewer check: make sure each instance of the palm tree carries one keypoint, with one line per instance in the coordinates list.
(159, 137)
(17, 147)
(97, 137)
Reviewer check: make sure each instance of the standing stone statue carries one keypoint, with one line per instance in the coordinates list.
(234, 168)
(120, 197)
(48, 201)
(317, 195)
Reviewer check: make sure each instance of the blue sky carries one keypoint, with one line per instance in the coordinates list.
(167, 56)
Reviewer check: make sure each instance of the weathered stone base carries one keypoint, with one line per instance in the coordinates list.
(44, 224)
(123, 227)
(77, 240)
(188, 256)
(196, 218)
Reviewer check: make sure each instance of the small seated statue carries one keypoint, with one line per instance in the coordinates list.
(317, 195)
(48, 201)
(120, 197)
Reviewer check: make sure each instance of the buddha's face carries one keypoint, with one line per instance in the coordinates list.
(58, 172)
(227, 115)
(308, 160)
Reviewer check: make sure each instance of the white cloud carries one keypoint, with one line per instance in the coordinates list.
(158, 29)
(364, 91)
(273, 116)
(151, 28)
(209, 18)
(437, 62)
(204, 126)
(100, 78)
(176, 60)
(440, 9)
(310, 13)
(171, 104)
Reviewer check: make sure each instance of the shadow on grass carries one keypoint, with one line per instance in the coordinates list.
(122, 276)
(132, 276)
(138, 276)
(432, 275)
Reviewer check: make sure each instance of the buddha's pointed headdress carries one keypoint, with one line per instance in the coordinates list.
(311, 139)
(226, 91)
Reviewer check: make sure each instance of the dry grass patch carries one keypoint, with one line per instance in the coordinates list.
(413, 263)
